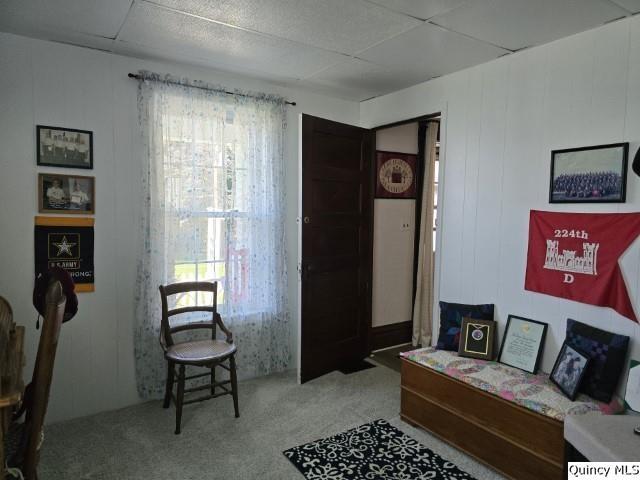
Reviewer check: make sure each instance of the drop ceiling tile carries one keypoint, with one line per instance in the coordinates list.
(148, 53)
(632, 5)
(423, 9)
(430, 51)
(336, 25)
(32, 17)
(341, 92)
(516, 24)
(222, 46)
(364, 77)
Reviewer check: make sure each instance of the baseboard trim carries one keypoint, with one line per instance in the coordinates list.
(390, 335)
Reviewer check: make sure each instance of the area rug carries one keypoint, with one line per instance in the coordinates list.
(373, 451)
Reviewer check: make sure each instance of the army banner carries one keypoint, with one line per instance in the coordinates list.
(576, 255)
(66, 243)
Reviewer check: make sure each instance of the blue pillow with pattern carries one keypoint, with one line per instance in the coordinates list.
(451, 315)
(607, 351)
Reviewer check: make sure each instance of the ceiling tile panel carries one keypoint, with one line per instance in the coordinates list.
(222, 46)
(34, 17)
(336, 25)
(363, 79)
(423, 9)
(632, 5)
(516, 24)
(430, 51)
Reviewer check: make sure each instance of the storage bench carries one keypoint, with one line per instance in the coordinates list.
(506, 418)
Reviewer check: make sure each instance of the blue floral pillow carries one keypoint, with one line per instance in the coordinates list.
(451, 315)
(607, 352)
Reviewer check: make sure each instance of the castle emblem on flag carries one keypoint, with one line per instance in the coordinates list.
(567, 261)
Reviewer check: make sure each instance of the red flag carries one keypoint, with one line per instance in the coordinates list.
(575, 256)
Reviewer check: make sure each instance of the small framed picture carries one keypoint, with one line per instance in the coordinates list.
(66, 194)
(569, 369)
(522, 343)
(395, 175)
(595, 174)
(477, 338)
(64, 147)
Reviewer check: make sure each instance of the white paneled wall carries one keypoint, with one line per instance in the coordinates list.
(501, 121)
(60, 85)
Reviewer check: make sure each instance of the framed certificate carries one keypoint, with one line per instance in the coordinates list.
(477, 338)
(522, 343)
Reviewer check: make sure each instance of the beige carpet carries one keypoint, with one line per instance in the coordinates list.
(276, 414)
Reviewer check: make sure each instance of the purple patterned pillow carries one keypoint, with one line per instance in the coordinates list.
(607, 352)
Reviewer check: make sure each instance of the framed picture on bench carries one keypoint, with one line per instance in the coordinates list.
(569, 369)
(522, 343)
(477, 338)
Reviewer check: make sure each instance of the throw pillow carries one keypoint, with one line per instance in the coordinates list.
(607, 352)
(451, 315)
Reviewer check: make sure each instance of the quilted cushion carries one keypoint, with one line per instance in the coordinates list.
(451, 315)
(607, 351)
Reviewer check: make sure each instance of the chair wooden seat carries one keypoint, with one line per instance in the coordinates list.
(200, 352)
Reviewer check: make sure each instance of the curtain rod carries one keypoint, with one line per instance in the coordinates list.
(140, 77)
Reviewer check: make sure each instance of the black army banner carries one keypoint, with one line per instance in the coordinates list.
(66, 243)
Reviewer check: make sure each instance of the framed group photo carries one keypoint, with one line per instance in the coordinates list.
(569, 369)
(596, 174)
(66, 194)
(64, 147)
(522, 343)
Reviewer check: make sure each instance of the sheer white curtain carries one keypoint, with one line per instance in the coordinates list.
(423, 304)
(213, 197)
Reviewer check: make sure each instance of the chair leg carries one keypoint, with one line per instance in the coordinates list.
(213, 379)
(180, 399)
(169, 387)
(234, 383)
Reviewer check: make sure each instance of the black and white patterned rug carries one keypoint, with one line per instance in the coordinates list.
(373, 451)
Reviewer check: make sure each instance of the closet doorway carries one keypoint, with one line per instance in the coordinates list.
(404, 241)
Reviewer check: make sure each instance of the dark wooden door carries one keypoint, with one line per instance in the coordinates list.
(337, 219)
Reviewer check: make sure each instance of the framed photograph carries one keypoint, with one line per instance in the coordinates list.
(477, 338)
(66, 194)
(64, 147)
(595, 174)
(569, 369)
(395, 175)
(522, 343)
(632, 392)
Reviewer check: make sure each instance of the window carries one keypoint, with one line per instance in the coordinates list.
(205, 183)
(220, 204)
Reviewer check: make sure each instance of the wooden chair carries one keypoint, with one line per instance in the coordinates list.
(36, 397)
(200, 353)
(11, 363)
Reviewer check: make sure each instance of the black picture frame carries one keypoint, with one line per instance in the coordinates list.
(480, 346)
(506, 336)
(67, 201)
(577, 180)
(64, 159)
(569, 385)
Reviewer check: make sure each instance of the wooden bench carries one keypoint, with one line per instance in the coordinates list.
(517, 442)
